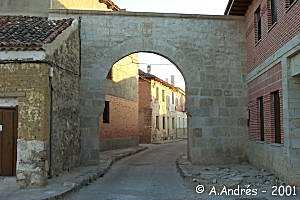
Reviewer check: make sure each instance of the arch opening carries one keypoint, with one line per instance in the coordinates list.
(144, 102)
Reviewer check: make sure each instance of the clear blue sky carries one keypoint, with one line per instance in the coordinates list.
(160, 66)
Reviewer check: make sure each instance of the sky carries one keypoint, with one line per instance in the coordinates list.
(211, 7)
(160, 66)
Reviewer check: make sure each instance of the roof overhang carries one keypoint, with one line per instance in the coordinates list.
(110, 5)
(237, 7)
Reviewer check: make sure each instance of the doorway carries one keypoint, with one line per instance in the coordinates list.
(8, 141)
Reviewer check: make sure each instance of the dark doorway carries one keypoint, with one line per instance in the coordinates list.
(8, 141)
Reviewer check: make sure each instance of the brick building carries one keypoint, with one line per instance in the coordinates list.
(161, 109)
(119, 123)
(273, 67)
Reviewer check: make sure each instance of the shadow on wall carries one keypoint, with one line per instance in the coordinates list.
(119, 121)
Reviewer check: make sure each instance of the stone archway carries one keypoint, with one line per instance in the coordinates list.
(208, 50)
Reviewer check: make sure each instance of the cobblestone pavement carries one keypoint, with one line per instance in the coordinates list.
(223, 180)
(71, 181)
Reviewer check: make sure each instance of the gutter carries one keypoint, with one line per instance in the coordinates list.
(229, 6)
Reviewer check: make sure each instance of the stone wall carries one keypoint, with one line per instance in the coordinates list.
(210, 51)
(29, 84)
(65, 139)
(25, 7)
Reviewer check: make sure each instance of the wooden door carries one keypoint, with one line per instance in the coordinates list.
(8, 141)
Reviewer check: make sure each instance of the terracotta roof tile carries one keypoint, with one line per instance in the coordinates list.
(29, 33)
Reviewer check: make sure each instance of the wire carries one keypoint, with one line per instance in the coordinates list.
(140, 63)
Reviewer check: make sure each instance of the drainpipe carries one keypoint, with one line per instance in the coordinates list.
(79, 35)
(51, 122)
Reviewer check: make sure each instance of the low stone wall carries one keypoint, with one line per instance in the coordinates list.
(118, 143)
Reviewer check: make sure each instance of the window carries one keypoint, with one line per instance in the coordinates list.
(173, 123)
(106, 112)
(261, 118)
(168, 123)
(110, 75)
(163, 95)
(276, 102)
(274, 8)
(157, 122)
(157, 93)
(164, 122)
(173, 101)
(258, 24)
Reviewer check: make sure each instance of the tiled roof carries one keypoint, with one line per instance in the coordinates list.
(29, 33)
(149, 76)
(146, 75)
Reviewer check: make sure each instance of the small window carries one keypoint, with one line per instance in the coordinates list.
(157, 122)
(106, 112)
(109, 75)
(258, 24)
(164, 122)
(157, 93)
(276, 102)
(274, 11)
(173, 100)
(163, 95)
(261, 118)
(173, 123)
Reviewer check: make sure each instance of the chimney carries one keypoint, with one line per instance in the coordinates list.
(173, 80)
(148, 69)
(167, 80)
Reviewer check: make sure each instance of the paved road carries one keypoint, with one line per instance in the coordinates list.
(148, 175)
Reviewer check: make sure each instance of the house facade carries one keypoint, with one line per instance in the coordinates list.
(39, 89)
(119, 123)
(161, 110)
(41, 7)
(273, 63)
(39, 98)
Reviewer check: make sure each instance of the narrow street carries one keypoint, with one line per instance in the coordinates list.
(148, 175)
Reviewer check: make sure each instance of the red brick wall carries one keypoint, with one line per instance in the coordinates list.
(123, 116)
(145, 111)
(263, 86)
(273, 37)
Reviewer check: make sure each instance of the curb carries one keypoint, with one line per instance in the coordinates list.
(179, 169)
(78, 184)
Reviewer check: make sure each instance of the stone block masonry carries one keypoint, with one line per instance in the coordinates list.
(210, 51)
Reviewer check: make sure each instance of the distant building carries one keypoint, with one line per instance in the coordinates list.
(119, 123)
(41, 7)
(161, 110)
